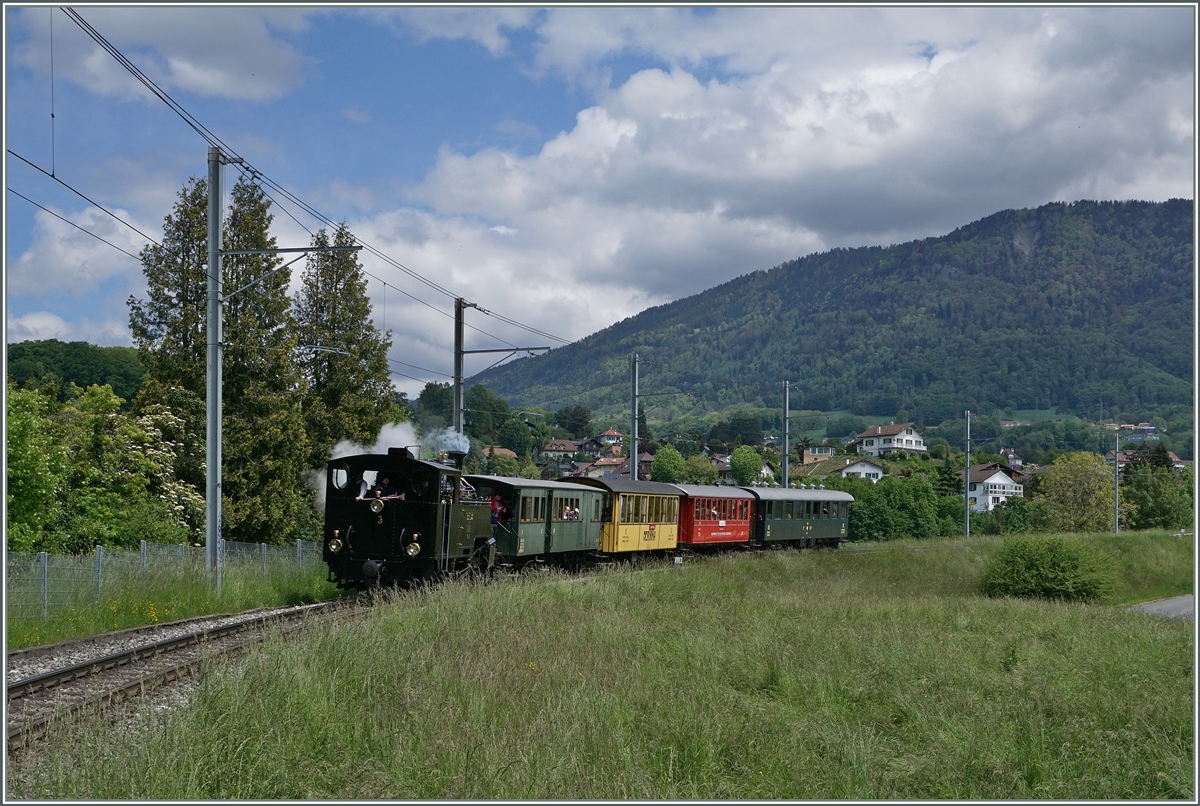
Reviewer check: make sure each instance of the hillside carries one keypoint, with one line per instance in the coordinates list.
(78, 362)
(1085, 306)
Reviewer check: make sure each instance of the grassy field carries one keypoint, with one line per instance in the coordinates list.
(171, 596)
(866, 674)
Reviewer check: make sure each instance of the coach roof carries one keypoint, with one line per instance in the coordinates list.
(781, 494)
(712, 491)
(627, 486)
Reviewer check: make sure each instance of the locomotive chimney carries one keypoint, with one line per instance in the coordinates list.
(457, 457)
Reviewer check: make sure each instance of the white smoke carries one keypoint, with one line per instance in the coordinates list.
(447, 439)
(392, 435)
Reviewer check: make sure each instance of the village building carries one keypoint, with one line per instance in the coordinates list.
(990, 485)
(847, 467)
(891, 438)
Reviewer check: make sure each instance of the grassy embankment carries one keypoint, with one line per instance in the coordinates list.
(163, 597)
(847, 674)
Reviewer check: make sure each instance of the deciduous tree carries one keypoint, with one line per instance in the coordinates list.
(668, 465)
(1078, 491)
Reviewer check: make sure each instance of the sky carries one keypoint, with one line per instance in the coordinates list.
(569, 167)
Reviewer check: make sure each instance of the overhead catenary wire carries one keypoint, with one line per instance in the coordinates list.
(95, 204)
(374, 276)
(73, 224)
(213, 140)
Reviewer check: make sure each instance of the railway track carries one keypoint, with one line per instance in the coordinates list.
(48, 683)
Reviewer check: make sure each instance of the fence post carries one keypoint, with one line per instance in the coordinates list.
(142, 571)
(44, 573)
(299, 554)
(99, 568)
(182, 554)
(263, 551)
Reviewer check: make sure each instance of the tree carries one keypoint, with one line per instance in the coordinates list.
(1158, 498)
(668, 465)
(747, 427)
(169, 326)
(349, 392)
(119, 488)
(36, 468)
(516, 437)
(1078, 491)
(436, 401)
(645, 436)
(948, 479)
(745, 464)
(699, 469)
(485, 411)
(577, 420)
(501, 465)
(264, 445)
(266, 449)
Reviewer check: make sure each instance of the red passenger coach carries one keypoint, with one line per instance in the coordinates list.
(714, 516)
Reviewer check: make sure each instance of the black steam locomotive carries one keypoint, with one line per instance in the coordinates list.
(392, 519)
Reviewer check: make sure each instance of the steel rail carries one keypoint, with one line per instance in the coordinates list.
(27, 730)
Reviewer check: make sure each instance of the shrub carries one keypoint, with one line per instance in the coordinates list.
(1047, 567)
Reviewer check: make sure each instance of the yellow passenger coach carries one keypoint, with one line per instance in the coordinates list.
(637, 516)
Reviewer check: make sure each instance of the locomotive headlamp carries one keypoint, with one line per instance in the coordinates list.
(376, 505)
(335, 545)
(413, 549)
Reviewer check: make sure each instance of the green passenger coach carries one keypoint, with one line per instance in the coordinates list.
(804, 517)
(534, 520)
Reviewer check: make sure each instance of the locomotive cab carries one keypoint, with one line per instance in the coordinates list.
(391, 519)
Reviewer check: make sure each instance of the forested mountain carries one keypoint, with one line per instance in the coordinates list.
(1084, 306)
(78, 362)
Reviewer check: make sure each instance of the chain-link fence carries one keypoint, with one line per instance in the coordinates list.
(40, 585)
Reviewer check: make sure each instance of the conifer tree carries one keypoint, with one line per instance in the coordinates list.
(347, 396)
(169, 325)
(264, 442)
(265, 445)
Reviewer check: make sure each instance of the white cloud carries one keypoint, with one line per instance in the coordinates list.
(215, 52)
(64, 260)
(41, 325)
(486, 26)
(824, 128)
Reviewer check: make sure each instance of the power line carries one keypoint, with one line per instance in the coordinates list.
(85, 198)
(213, 140)
(73, 224)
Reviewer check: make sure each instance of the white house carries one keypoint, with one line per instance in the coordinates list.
(612, 437)
(891, 438)
(990, 487)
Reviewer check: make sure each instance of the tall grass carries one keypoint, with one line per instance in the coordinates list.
(163, 596)
(803, 675)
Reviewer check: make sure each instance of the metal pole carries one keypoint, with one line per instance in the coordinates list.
(299, 552)
(212, 487)
(1116, 483)
(786, 406)
(967, 482)
(458, 364)
(262, 549)
(142, 570)
(633, 434)
(99, 569)
(44, 573)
